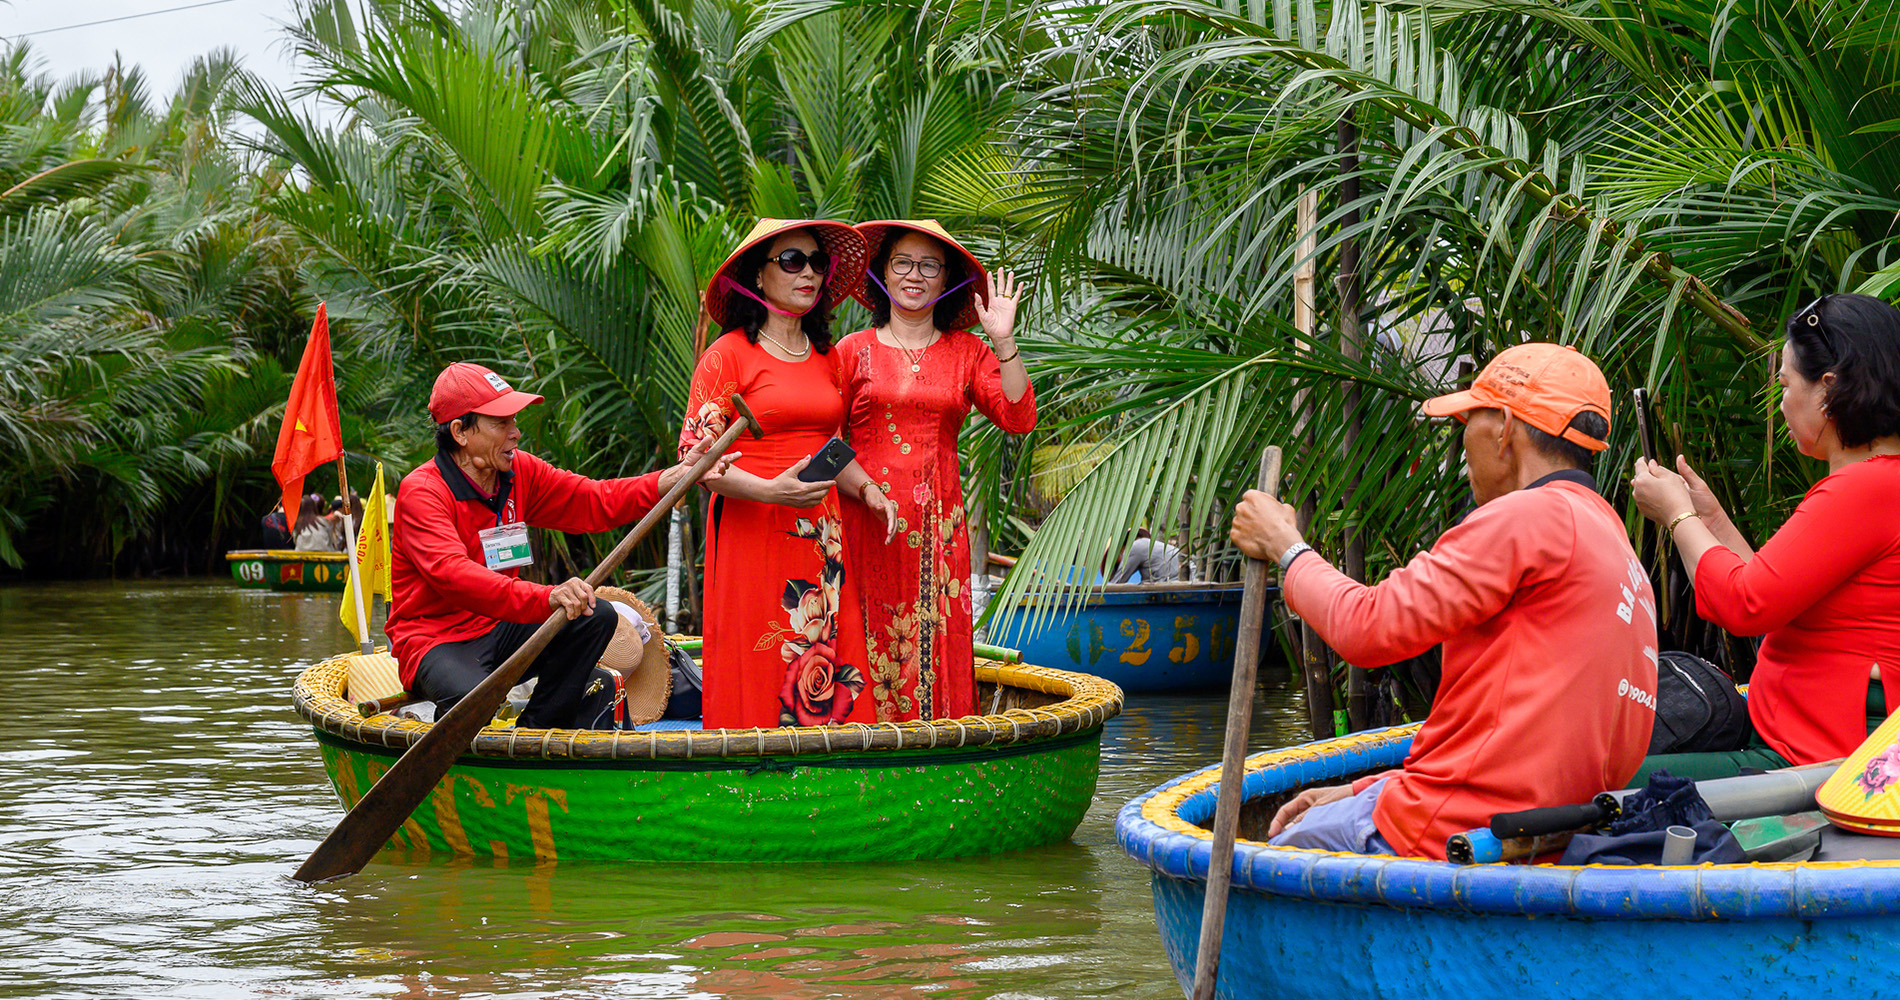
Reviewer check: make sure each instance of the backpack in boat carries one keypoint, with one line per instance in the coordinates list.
(685, 703)
(1698, 709)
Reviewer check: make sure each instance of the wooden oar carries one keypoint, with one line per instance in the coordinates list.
(381, 812)
(1220, 866)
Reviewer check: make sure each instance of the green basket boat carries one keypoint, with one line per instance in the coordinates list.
(1021, 776)
(286, 570)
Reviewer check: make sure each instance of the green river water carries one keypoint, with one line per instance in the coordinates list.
(159, 790)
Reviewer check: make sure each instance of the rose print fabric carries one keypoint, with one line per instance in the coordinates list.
(784, 643)
(915, 591)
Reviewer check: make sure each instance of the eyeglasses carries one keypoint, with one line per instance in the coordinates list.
(794, 260)
(1810, 316)
(926, 268)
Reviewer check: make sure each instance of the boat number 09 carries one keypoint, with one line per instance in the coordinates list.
(252, 571)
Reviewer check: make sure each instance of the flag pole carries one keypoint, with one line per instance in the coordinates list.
(356, 577)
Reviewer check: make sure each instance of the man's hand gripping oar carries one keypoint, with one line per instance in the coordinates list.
(378, 815)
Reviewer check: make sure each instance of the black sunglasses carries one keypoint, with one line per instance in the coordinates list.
(794, 260)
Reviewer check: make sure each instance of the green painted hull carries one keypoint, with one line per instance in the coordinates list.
(876, 806)
(293, 572)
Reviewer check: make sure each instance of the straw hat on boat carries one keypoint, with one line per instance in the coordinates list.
(876, 234)
(837, 239)
(647, 675)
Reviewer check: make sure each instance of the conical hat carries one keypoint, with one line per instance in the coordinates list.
(649, 677)
(1864, 794)
(876, 233)
(838, 239)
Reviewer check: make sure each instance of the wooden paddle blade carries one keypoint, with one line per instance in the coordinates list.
(738, 403)
(380, 812)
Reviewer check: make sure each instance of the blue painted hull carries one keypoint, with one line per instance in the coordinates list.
(1147, 640)
(1306, 923)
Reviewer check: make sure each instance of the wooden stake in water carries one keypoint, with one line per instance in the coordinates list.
(1220, 866)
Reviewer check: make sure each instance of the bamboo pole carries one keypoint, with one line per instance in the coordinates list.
(1352, 345)
(1315, 663)
(365, 645)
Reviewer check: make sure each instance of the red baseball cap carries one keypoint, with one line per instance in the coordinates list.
(465, 388)
(1545, 385)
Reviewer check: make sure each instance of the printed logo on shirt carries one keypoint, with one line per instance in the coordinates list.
(1638, 584)
(495, 380)
(1624, 689)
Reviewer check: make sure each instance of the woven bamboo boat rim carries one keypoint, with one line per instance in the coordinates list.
(1087, 703)
(285, 555)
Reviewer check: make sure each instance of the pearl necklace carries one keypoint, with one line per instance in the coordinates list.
(796, 355)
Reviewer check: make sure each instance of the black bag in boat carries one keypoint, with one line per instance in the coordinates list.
(1698, 709)
(684, 704)
(1636, 837)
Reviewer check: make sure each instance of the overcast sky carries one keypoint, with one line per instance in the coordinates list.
(164, 40)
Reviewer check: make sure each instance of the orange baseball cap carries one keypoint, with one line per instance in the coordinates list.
(1545, 385)
(465, 387)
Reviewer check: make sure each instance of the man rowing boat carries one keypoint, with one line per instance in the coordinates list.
(1547, 618)
(461, 537)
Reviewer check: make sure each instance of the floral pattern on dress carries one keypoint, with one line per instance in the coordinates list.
(818, 690)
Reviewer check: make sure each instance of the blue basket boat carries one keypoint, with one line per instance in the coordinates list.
(1303, 923)
(1157, 638)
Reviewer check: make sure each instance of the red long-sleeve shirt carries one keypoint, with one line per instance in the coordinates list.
(1825, 594)
(1549, 632)
(443, 590)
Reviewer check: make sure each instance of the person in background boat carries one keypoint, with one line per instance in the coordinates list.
(356, 514)
(314, 530)
(1153, 561)
(1547, 619)
(1824, 592)
(460, 538)
(276, 528)
(784, 644)
(909, 385)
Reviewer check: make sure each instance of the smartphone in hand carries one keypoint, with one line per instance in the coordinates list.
(828, 462)
(1640, 397)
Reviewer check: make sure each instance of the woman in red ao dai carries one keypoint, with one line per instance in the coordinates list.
(909, 384)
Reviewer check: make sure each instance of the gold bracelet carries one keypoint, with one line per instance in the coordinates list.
(861, 487)
(1679, 518)
(1013, 355)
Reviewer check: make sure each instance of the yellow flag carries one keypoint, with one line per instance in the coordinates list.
(372, 558)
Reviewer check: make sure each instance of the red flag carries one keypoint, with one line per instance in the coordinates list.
(311, 435)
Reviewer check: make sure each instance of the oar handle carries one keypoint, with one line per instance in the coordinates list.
(1549, 819)
(1220, 865)
(382, 810)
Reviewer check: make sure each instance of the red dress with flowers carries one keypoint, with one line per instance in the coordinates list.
(784, 645)
(915, 591)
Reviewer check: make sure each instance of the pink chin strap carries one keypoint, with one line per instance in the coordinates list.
(747, 292)
(893, 299)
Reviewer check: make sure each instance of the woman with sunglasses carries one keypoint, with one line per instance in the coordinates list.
(909, 384)
(1824, 592)
(784, 646)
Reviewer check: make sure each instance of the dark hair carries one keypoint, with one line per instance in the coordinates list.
(1857, 337)
(1566, 451)
(747, 315)
(445, 438)
(309, 512)
(944, 313)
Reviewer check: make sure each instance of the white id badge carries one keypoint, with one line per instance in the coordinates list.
(506, 546)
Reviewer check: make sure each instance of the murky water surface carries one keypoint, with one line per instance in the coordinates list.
(159, 789)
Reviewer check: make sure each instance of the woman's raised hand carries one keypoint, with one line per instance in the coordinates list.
(790, 491)
(998, 315)
(1662, 495)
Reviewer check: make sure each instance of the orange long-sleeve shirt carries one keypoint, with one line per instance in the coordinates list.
(443, 591)
(1549, 630)
(1825, 593)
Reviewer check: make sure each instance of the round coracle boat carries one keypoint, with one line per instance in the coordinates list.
(289, 570)
(1021, 776)
(1147, 638)
(1307, 923)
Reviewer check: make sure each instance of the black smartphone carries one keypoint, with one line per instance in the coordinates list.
(828, 462)
(1641, 397)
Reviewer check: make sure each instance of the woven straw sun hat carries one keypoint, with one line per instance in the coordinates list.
(648, 675)
(876, 234)
(838, 239)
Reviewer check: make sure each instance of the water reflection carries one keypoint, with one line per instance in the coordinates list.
(162, 789)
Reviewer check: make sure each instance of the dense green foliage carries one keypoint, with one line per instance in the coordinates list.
(544, 186)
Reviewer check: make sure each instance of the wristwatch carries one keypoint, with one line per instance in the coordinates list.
(1287, 557)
